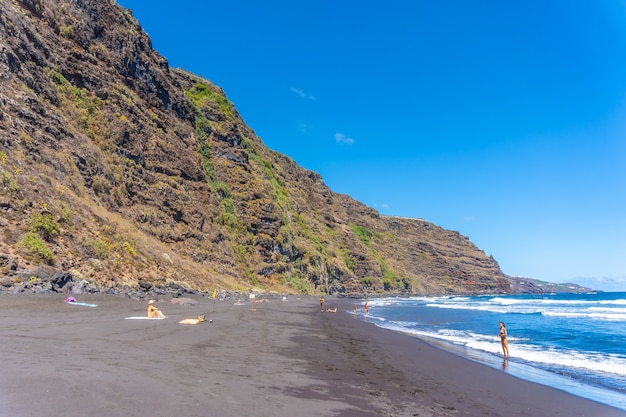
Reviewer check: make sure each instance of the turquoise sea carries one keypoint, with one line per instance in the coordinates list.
(573, 342)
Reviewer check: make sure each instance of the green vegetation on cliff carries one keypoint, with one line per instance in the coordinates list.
(122, 170)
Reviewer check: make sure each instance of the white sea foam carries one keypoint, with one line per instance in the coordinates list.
(615, 302)
(555, 308)
(578, 337)
(494, 308)
(553, 301)
(606, 363)
(371, 317)
(608, 310)
(593, 361)
(588, 315)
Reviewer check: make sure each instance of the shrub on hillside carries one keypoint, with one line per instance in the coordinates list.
(35, 248)
(45, 225)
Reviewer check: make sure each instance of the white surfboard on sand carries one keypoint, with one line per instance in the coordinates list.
(76, 303)
(143, 318)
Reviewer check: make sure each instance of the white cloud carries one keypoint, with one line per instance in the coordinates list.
(301, 93)
(304, 128)
(342, 139)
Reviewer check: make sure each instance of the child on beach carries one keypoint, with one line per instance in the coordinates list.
(321, 303)
(503, 340)
(153, 312)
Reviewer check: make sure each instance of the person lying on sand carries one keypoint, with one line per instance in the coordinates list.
(331, 310)
(153, 312)
(200, 319)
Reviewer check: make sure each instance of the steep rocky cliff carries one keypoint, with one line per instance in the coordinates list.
(118, 169)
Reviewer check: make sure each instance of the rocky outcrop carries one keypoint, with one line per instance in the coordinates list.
(126, 173)
(523, 285)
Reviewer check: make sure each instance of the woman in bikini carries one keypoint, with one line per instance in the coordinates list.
(503, 340)
(153, 312)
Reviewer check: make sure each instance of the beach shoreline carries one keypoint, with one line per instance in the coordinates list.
(276, 358)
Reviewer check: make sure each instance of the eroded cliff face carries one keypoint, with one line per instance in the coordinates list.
(117, 168)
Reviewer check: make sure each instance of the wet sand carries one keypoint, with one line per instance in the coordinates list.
(282, 358)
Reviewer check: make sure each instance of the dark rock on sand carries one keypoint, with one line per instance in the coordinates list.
(183, 301)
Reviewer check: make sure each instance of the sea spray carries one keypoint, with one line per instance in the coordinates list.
(573, 342)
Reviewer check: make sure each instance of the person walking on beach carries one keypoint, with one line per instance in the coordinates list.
(153, 312)
(503, 340)
(322, 303)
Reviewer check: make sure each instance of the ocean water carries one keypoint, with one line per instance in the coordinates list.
(573, 342)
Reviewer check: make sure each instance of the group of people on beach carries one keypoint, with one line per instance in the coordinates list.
(154, 312)
(366, 307)
(329, 310)
(503, 332)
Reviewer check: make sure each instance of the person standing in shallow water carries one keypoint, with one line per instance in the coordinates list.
(503, 340)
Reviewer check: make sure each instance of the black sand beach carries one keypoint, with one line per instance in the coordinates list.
(284, 358)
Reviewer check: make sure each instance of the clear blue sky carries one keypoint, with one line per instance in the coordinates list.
(503, 120)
